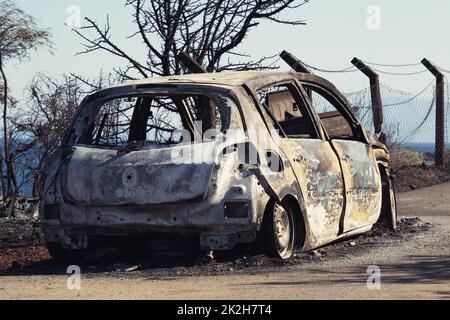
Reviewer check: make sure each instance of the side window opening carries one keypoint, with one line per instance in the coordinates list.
(333, 120)
(152, 119)
(288, 111)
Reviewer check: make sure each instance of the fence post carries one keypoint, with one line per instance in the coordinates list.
(377, 111)
(293, 62)
(440, 113)
(191, 63)
(297, 65)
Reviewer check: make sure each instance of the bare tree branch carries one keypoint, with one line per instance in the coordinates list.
(209, 30)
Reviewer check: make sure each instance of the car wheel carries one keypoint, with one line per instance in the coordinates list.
(389, 203)
(281, 231)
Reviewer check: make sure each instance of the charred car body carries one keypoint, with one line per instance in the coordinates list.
(226, 157)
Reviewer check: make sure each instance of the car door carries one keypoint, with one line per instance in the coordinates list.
(361, 175)
(312, 159)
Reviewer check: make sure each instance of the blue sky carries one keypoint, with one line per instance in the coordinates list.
(336, 31)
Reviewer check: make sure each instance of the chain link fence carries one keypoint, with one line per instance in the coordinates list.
(409, 117)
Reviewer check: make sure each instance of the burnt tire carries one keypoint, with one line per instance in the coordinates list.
(388, 214)
(280, 230)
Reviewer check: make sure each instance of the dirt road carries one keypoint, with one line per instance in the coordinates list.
(413, 264)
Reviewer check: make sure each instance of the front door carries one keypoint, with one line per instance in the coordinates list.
(315, 164)
(361, 176)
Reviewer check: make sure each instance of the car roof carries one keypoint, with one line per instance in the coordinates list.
(253, 79)
(231, 78)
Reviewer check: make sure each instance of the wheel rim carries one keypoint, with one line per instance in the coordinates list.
(283, 231)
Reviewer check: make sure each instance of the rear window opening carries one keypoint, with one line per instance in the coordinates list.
(153, 119)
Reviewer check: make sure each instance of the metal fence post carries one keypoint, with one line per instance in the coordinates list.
(377, 107)
(293, 62)
(440, 113)
(297, 65)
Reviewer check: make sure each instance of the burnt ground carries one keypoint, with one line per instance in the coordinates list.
(35, 259)
(409, 178)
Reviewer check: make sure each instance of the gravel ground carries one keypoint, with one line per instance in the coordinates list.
(35, 259)
(414, 264)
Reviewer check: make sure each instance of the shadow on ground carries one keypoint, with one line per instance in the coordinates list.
(432, 270)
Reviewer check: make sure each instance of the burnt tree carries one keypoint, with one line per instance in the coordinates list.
(211, 31)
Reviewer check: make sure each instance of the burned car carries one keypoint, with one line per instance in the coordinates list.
(276, 158)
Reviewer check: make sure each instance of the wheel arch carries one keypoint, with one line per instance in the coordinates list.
(299, 210)
(299, 214)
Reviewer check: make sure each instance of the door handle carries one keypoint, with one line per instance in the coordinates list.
(347, 159)
(299, 158)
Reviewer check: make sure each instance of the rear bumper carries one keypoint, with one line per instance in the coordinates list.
(216, 230)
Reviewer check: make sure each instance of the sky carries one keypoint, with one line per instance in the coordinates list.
(336, 31)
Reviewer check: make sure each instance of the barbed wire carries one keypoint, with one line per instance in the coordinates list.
(418, 128)
(392, 65)
(353, 93)
(443, 70)
(408, 100)
(399, 91)
(400, 73)
(352, 68)
(392, 90)
(345, 70)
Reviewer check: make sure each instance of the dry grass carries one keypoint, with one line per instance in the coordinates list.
(406, 158)
(447, 158)
(411, 172)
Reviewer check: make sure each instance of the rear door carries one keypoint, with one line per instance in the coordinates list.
(360, 172)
